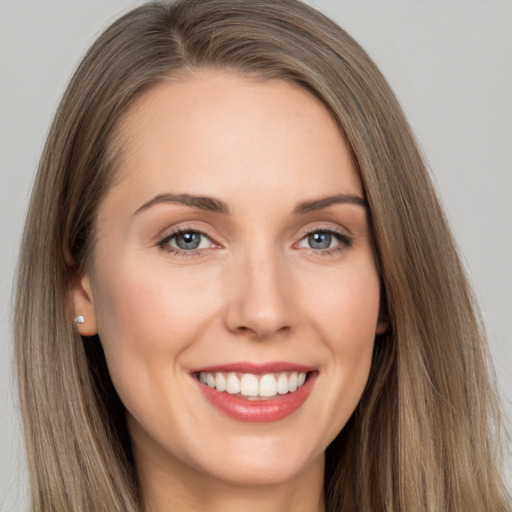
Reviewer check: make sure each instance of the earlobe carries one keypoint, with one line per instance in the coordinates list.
(383, 319)
(382, 327)
(83, 306)
(382, 323)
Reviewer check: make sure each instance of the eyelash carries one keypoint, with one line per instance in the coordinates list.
(345, 242)
(164, 243)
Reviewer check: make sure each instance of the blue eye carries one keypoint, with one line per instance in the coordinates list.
(320, 240)
(323, 240)
(188, 240)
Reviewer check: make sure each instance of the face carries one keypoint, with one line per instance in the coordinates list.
(233, 284)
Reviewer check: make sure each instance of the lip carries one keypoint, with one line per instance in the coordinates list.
(256, 368)
(258, 411)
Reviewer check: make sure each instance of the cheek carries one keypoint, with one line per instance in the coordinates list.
(146, 318)
(347, 307)
(346, 311)
(148, 308)
(356, 325)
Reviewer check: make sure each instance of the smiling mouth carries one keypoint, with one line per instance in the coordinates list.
(254, 387)
(255, 393)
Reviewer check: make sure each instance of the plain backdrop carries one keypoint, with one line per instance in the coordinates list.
(450, 64)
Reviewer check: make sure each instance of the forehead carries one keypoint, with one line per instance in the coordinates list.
(219, 128)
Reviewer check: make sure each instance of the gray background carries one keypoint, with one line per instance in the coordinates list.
(450, 63)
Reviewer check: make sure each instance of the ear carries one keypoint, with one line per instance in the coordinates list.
(383, 319)
(382, 324)
(83, 304)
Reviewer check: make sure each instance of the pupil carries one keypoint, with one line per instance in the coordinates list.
(319, 240)
(188, 240)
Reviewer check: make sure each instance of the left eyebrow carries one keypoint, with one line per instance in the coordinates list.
(325, 202)
(202, 202)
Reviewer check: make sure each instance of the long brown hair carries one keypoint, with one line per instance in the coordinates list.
(426, 433)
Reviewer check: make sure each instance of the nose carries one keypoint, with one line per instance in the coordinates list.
(260, 298)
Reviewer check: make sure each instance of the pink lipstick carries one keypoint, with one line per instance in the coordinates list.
(254, 392)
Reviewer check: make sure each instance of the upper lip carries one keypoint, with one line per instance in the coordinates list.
(256, 368)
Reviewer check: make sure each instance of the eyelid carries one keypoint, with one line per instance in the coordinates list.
(170, 233)
(325, 229)
(345, 240)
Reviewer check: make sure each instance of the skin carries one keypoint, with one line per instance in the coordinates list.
(255, 290)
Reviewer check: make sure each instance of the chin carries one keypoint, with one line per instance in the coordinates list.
(262, 464)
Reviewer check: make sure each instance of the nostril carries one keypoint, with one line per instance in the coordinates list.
(259, 304)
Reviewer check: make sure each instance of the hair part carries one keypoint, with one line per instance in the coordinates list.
(426, 433)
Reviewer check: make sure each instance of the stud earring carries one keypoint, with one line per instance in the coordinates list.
(79, 320)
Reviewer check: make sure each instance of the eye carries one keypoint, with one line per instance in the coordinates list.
(323, 240)
(186, 240)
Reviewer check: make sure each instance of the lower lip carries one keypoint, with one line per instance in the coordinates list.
(259, 411)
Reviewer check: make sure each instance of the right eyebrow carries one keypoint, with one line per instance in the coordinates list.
(325, 202)
(202, 202)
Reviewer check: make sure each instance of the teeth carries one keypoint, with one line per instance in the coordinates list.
(210, 380)
(292, 381)
(282, 384)
(250, 385)
(268, 385)
(220, 382)
(233, 385)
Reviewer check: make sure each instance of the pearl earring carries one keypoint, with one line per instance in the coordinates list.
(79, 320)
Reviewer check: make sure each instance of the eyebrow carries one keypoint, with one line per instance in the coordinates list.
(216, 206)
(202, 202)
(325, 202)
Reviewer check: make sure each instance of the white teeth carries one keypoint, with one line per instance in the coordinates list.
(282, 384)
(247, 384)
(268, 385)
(210, 380)
(233, 384)
(292, 381)
(220, 382)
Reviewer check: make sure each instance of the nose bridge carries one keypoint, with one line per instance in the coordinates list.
(259, 302)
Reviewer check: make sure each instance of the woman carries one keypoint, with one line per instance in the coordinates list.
(269, 312)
